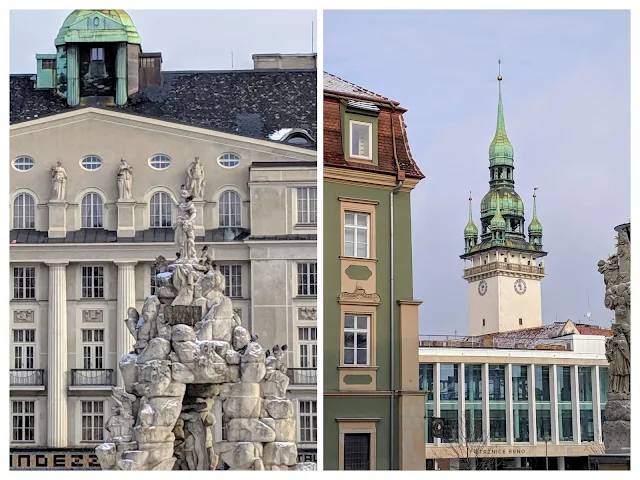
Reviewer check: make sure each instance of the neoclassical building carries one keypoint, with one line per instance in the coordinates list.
(102, 142)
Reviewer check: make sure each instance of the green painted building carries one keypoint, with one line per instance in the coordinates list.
(373, 409)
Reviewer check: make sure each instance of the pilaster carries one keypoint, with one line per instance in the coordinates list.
(121, 74)
(508, 383)
(126, 299)
(485, 403)
(531, 385)
(73, 75)
(597, 416)
(57, 356)
(126, 218)
(57, 218)
(436, 396)
(462, 414)
(553, 380)
(575, 404)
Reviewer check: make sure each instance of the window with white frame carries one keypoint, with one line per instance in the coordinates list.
(307, 198)
(24, 347)
(24, 212)
(23, 416)
(307, 279)
(232, 279)
(91, 162)
(308, 346)
(153, 271)
(229, 160)
(92, 210)
(92, 420)
(24, 282)
(160, 210)
(93, 349)
(22, 164)
(356, 234)
(356, 339)
(93, 282)
(230, 209)
(308, 421)
(361, 140)
(160, 161)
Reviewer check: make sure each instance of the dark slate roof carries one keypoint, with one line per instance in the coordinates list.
(253, 103)
(152, 235)
(294, 237)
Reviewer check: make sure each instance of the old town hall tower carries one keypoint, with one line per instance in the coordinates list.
(501, 266)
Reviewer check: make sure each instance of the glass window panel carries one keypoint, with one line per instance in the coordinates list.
(520, 385)
(426, 379)
(542, 383)
(498, 425)
(473, 382)
(448, 381)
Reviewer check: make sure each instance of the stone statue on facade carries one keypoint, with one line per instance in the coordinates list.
(188, 356)
(195, 179)
(185, 234)
(58, 182)
(617, 278)
(125, 180)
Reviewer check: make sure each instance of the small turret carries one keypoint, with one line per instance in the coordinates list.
(470, 231)
(535, 227)
(498, 226)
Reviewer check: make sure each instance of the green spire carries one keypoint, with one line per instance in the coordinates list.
(535, 227)
(500, 150)
(497, 222)
(470, 231)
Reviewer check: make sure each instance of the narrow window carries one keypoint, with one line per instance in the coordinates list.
(520, 321)
(232, 279)
(356, 339)
(307, 279)
(92, 282)
(308, 345)
(308, 421)
(24, 212)
(357, 451)
(307, 205)
(230, 209)
(24, 346)
(24, 282)
(160, 210)
(92, 211)
(92, 421)
(97, 54)
(23, 416)
(483, 322)
(361, 140)
(356, 234)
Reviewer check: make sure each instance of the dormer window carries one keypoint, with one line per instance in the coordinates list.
(97, 54)
(361, 140)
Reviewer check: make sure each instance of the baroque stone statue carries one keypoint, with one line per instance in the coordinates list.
(618, 355)
(185, 234)
(125, 180)
(58, 182)
(195, 179)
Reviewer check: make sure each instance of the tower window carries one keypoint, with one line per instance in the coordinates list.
(148, 62)
(48, 64)
(97, 54)
(520, 321)
(505, 259)
(528, 262)
(483, 322)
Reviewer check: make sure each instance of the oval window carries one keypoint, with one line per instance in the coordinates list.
(229, 160)
(160, 161)
(22, 164)
(91, 162)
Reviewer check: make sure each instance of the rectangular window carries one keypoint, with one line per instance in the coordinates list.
(23, 416)
(356, 234)
(308, 421)
(152, 280)
(473, 425)
(498, 425)
(93, 349)
(232, 279)
(543, 424)
(92, 282)
(24, 346)
(92, 421)
(565, 407)
(473, 383)
(585, 386)
(543, 389)
(361, 140)
(496, 383)
(97, 54)
(357, 451)
(308, 344)
(356, 339)
(308, 279)
(24, 282)
(148, 62)
(521, 423)
(520, 383)
(48, 64)
(307, 205)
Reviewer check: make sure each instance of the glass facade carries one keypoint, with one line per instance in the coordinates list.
(449, 401)
(565, 407)
(543, 402)
(585, 393)
(520, 389)
(604, 390)
(426, 385)
(473, 403)
(497, 404)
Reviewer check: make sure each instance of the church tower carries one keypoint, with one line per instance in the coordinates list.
(502, 267)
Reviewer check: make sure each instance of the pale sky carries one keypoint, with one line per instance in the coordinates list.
(566, 104)
(188, 39)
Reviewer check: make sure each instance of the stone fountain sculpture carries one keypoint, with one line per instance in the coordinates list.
(190, 350)
(617, 278)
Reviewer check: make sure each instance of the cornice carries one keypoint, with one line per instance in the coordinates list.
(362, 178)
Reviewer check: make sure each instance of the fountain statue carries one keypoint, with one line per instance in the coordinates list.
(190, 350)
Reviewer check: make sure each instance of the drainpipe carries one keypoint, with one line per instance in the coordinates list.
(399, 182)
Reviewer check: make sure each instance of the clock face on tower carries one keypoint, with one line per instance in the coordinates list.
(520, 286)
(482, 287)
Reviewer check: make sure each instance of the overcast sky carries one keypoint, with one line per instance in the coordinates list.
(188, 39)
(566, 104)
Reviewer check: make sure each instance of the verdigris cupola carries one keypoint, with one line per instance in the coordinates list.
(497, 226)
(96, 61)
(470, 231)
(535, 227)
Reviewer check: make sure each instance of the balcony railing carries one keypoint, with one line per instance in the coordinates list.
(514, 267)
(302, 376)
(26, 377)
(92, 377)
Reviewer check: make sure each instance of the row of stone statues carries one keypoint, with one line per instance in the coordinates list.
(194, 185)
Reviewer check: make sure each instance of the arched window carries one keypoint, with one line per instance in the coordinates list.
(24, 212)
(92, 210)
(160, 214)
(230, 209)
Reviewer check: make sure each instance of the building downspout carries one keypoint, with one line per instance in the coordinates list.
(399, 182)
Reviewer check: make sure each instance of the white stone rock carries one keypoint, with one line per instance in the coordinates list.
(129, 371)
(165, 410)
(280, 453)
(221, 347)
(238, 455)
(156, 349)
(244, 390)
(182, 373)
(232, 357)
(274, 389)
(269, 422)
(252, 372)
(234, 373)
(249, 430)
(187, 351)
(285, 430)
(242, 407)
(258, 465)
(107, 456)
(146, 435)
(182, 333)
(241, 337)
(253, 354)
(279, 408)
(307, 466)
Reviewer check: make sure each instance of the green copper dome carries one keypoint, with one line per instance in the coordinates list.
(98, 26)
(500, 150)
(470, 231)
(497, 222)
(535, 227)
(509, 201)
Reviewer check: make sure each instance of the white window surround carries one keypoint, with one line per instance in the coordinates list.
(23, 163)
(307, 347)
(24, 211)
(23, 348)
(233, 279)
(357, 237)
(81, 324)
(357, 326)
(307, 420)
(92, 210)
(91, 163)
(96, 412)
(306, 206)
(368, 146)
(24, 282)
(23, 415)
(161, 210)
(230, 209)
(160, 161)
(93, 348)
(229, 160)
(306, 275)
(95, 282)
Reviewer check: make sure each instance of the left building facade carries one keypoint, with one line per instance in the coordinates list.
(102, 141)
